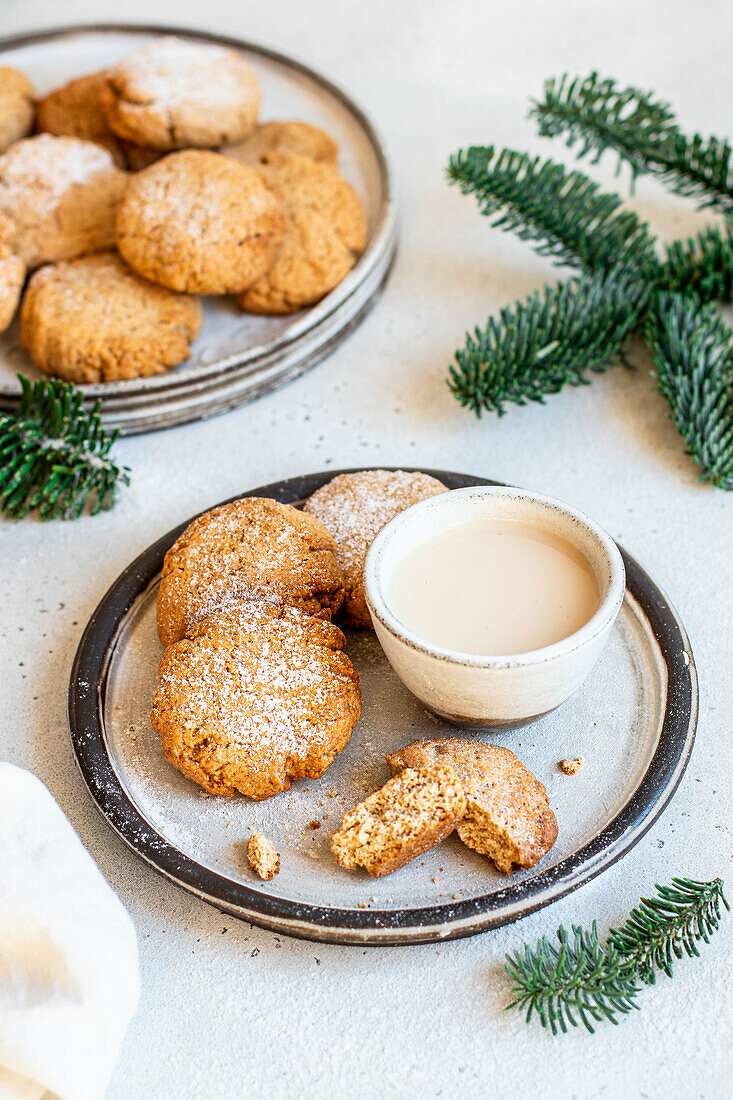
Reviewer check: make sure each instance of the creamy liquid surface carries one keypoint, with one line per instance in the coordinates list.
(492, 588)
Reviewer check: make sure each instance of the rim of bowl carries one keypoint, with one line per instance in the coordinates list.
(599, 621)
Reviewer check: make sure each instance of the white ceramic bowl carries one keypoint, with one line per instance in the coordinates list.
(478, 691)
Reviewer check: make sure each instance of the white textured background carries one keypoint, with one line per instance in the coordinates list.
(232, 1011)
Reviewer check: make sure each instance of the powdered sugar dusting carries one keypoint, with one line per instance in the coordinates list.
(49, 166)
(173, 72)
(355, 508)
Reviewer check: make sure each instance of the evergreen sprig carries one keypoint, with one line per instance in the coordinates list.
(595, 115)
(692, 348)
(579, 981)
(55, 455)
(701, 265)
(563, 213)
(555, 337)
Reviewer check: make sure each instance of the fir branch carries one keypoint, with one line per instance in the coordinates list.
(701, 265)
(581, 982)
(693, 355)
(593, 113)
(564, 213)
(55, 455)
(669, 926)
(552, 339)
(595, 116)
(574, 983)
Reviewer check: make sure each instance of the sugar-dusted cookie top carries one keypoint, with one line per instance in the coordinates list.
(326, 231)
(410, 814)
(355, 508)
(95, 320)
(254, 698)
(199, 222)
(60, 197)
(508, 816)
(17, 106)
(285, 137)
(252, 548)
(175, 94)
(12, 277)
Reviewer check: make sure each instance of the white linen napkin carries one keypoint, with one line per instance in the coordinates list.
(68, 954)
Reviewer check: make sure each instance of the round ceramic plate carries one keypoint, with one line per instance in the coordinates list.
(237, 357)
(633, 722)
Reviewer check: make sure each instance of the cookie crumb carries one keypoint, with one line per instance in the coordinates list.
(314, 824)
(262, 857)
(570, 767)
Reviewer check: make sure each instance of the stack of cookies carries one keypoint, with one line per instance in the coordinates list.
(149, 184)
(255, 689)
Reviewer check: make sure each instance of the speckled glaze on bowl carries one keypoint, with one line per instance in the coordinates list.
(482, 691)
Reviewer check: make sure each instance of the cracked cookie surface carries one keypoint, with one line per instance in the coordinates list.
(199, 222)
(326, 229)
(12, 277)
(254, 698)
(95, 320)
(175, 94)
(252, 548)
(355, 507)
(59, 197)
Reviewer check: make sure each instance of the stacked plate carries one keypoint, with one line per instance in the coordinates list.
(237, 357)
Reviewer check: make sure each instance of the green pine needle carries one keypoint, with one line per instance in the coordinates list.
(564, 213)
(693, 355)
(54, 455)
(701, 265)
(554, 338)
(595, 115)
(581, 982)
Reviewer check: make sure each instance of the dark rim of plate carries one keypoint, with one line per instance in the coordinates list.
(364, 926)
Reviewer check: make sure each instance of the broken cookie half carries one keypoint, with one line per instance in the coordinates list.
(410, 814)
(508, 816)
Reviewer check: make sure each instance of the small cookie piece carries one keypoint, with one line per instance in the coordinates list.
(17, 106)
(12, 277)
(253, 548)
(262, 856)
(59, 196)
(571, 767)
(410, 814)
(95, 320)
(326, 231)
(285, 137)
(255, 697)
(508, 817)
(199, 222)
(355, 508)
(175, 94)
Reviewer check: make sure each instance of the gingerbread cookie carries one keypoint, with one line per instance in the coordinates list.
(59, 196)
(175, 94)
(409, 815)
(12, 277)
(285, 137)
(508, 817)
(17, 106)
(199, 222)
(254, 698)
(252, 548)
(355, 508)
(95, 320)
(326, 231)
